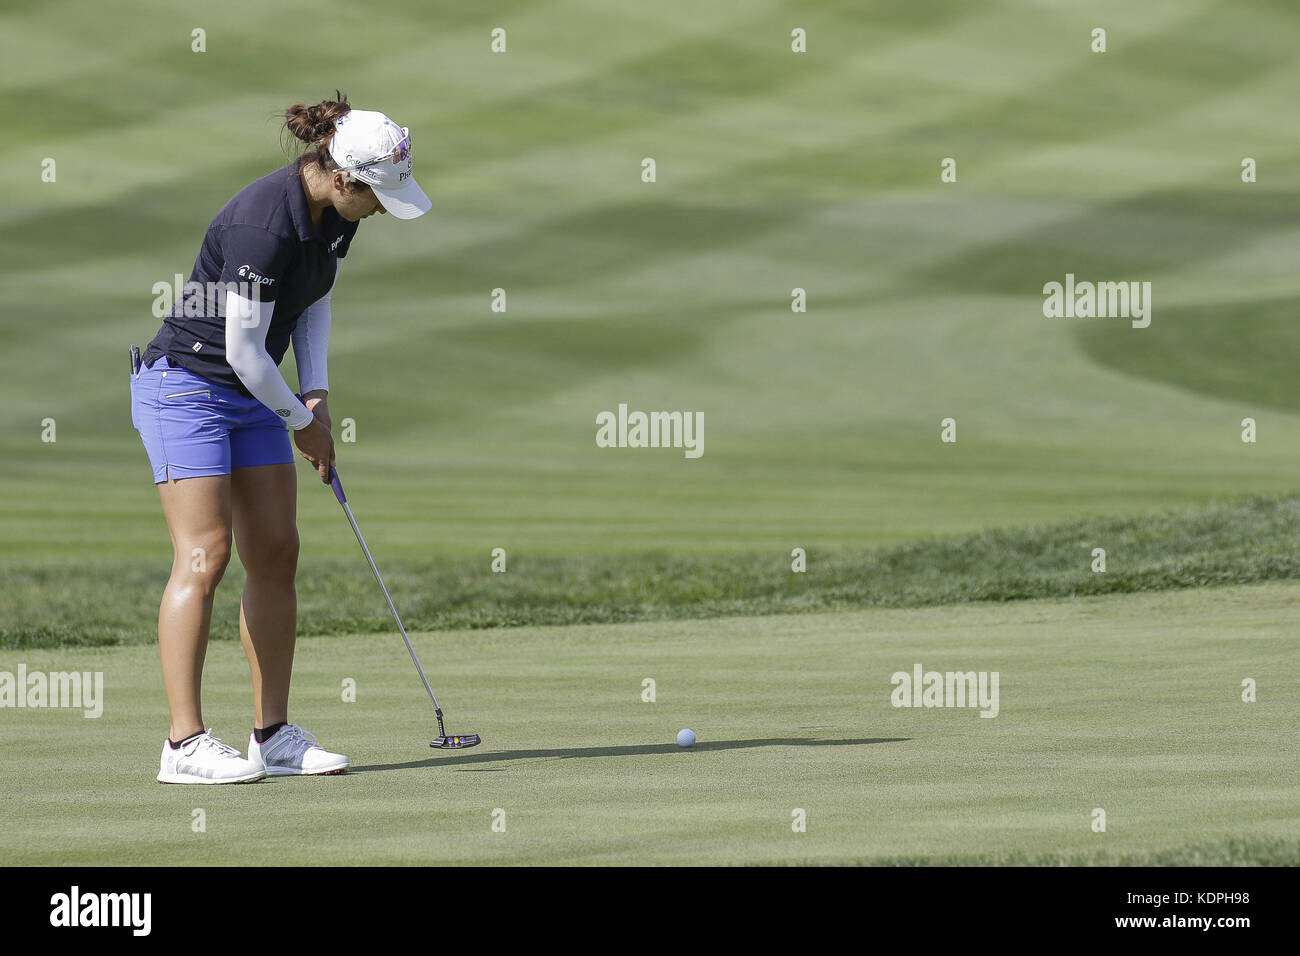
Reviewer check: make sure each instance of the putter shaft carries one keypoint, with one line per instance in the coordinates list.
(338, 491)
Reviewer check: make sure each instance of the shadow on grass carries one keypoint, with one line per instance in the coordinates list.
(629, 751)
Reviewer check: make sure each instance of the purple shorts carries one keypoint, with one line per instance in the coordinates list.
(192, 426)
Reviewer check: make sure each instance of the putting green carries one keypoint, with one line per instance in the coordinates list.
(1129, 704)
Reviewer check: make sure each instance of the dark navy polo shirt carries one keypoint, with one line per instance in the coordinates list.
(263, 235)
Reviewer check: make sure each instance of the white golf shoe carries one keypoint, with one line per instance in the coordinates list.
(205, 759)
(292, 752)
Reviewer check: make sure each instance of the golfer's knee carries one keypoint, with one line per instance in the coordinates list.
(201, 563)
(276, 556)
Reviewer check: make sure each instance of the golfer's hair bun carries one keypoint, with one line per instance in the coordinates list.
(312, 124)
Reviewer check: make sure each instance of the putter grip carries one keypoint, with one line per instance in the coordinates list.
(337, 486)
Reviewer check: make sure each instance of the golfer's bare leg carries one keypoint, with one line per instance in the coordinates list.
(198, 517)
(264, 502)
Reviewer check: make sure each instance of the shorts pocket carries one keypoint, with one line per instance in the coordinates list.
(205, 392)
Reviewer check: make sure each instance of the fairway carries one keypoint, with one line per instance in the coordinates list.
(475, 429)
(1127, 704)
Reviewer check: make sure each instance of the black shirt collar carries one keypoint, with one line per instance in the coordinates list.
(296, 200)
(332, 225)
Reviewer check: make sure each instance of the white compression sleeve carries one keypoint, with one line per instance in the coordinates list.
(311, 342)
(247, 323)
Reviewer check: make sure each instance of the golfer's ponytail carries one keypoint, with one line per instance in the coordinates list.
(314, 125)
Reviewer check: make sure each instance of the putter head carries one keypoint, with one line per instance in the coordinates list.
(456, 742)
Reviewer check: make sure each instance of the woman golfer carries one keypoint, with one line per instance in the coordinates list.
(211, 406)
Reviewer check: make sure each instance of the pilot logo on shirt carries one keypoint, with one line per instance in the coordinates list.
(246, 273)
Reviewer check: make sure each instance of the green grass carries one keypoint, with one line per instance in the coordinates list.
(1276, 851)
(475, 430)
(1190, 351)
(68, 604)
(1128, 703)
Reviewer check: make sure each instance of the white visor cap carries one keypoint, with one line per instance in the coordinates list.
(377, 151)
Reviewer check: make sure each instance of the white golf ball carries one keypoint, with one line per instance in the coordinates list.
(685, 738)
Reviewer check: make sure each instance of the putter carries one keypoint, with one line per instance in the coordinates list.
(442, 741)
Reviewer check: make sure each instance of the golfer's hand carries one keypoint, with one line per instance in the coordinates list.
(317, 446)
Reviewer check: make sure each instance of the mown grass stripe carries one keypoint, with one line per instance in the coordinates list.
(72, 603)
